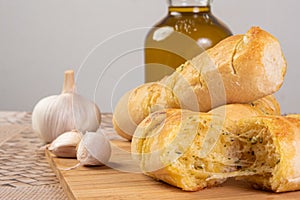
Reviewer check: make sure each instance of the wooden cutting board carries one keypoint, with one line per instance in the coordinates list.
(122, 181)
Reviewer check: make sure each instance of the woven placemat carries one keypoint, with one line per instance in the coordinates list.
(44, 192)
(107, 127)
(13, 118)
(22, 163)
(24, 170)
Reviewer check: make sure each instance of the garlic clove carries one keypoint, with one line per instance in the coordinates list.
(57, 114)
(65, 144)
(94, 149)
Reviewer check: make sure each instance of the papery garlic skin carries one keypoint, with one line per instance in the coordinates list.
(94, 149)
(65, 145)
(85, 158)
(57, 114)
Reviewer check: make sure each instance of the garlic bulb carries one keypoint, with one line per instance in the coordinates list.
(65, 145)
(94, 149)
(57, 114)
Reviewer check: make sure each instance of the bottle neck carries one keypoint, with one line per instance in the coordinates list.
(190, 3)
(189, 6)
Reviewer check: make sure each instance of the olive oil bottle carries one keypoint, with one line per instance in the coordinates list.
(187, 30)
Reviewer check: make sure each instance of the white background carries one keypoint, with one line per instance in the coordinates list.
(40, 39)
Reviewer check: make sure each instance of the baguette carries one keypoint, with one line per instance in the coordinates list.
(276, 159)
(168, 147)
(185, 148)
(239, 69)
(193, 150)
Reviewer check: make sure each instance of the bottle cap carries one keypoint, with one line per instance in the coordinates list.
(190, 2)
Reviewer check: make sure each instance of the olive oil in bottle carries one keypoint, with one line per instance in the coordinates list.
(187, 30)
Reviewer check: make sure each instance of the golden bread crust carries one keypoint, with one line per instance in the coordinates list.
(137, 104)
(240, 69)
(285, 136)
(264, 150)
(168, 143)
(250, 66)
(163, 137)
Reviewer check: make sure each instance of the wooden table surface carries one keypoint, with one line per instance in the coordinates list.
(123, 180)
(109, 183)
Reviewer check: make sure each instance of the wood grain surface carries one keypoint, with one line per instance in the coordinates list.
(122, 181)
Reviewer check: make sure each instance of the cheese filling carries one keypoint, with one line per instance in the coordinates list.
(250, 152)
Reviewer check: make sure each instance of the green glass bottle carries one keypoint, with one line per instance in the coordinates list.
(187, 30)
